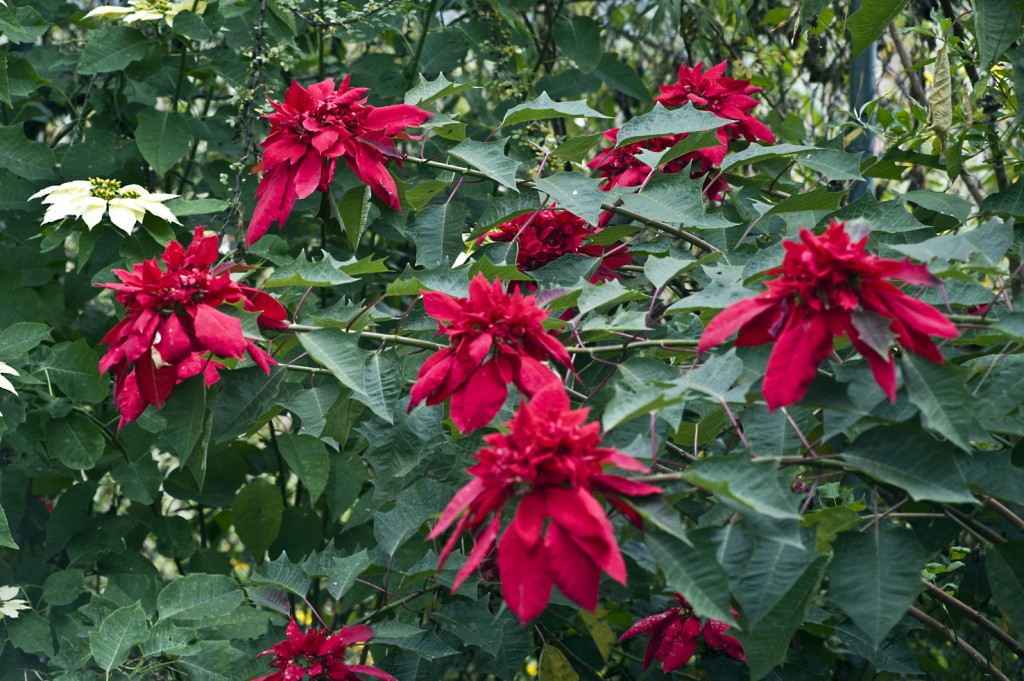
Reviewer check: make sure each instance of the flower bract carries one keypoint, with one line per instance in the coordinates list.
(9, 605)
(310, 130)
(552, 461)
(319, 655)
(829, 286)
(147, 10)
(496, 338)
(725, 97)
(91, 199)
(173, 324)
(546, 235)
(674, 633)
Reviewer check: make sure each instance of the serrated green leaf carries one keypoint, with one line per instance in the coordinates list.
(64, 587)
(201, 595)
(875, 575)
(576, 149)
(339, 352)
(438, 234)
(867, 24)
(163, 138)
(904, 456)
(834, 164)
(112, 49)
(343, 572)
(117, 634)
(576, 193)
(283, 573)
(947, 204)
(938, 391)
(771, 569)
(75, 441)
(661, 121)
(383, 383)
(490, 159)
(579, 39)
(426, 92)
(244, 401)
(24, 157)
(167, 637)
(308, 459)
(746, 484)
(191, 26)
(693, 572)
(676, 199)
(473, 623)
(501, 209)
(303, 272)
(544, 107)
(692, 142)
(74, 367)
(415, 505)
(256, 515)
(993, 473)
(1004, 565)
(18, 338)
(759, 152)
(423, 192)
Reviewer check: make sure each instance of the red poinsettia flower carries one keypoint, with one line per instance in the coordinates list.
(172, 324)
(314, 127)
(830, 286)
(546, 235)
(725, 97)
(496, 338)
(318, 656)
(552, 460)
(673, 636)
(619, 166)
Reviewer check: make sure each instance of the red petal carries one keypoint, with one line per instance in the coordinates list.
(484, 544)
(525, 581)
(803, 344)
(218, 332)
(574, 572)
(732, 318)
(479, 399)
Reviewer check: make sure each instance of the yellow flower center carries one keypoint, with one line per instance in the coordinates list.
(104, 189)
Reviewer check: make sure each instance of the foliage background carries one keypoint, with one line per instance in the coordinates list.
(860, 540)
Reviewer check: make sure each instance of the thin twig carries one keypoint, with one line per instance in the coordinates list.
(1006, 513)
(977, 658)
(976, 617)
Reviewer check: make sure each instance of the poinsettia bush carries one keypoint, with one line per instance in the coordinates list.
(493, 340)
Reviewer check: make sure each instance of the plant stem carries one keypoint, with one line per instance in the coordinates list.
(977, 658)
(1006, 513)
(976, 617)
(414, 64)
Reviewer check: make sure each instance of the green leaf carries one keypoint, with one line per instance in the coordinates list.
(893, 654)
(200, 595)
(746, 484)
(661, 121)
(22, 24)
(490, 159)
(25, 158)
(343, 572)
(412, 508)
(576, 193)
(426, 92)
(997, 24)
(283, 573)
(501, 209)
(339, 352)
(580, 41)
(182, 208)
(307, 457)
(256, 515)
(938, 391)
(383, 383)
(214, 661)
(674, 198)
(758, 152)
(868, 23)
(244, 400)
(1004, 565)
(766, 645)
(692, 142)
(993, 473)
(17, 339)
(1009, 201)
(576, 149)
(302, 272)
(138, 480)
(620, 76)
(191, 26)
(902, 455)
(438, 234)
(30, 632)
(118, 632)
(6, 539)
(829, 522)
(875, 575)
(64, 587)
(770, 571)
(352, 212)
(112, 49)
(947, 204)
(163, 138)
(554, 666)
(473, 623)
(185, 413)
(167, 637)
(74, 367)
(544, 107)
(75, 441)
(425, 644)
(693, 572)
(834, 164)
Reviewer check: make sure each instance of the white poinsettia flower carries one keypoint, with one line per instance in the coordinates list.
(90, 199)
(9, 605)
(5, 383)
(147, 10)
